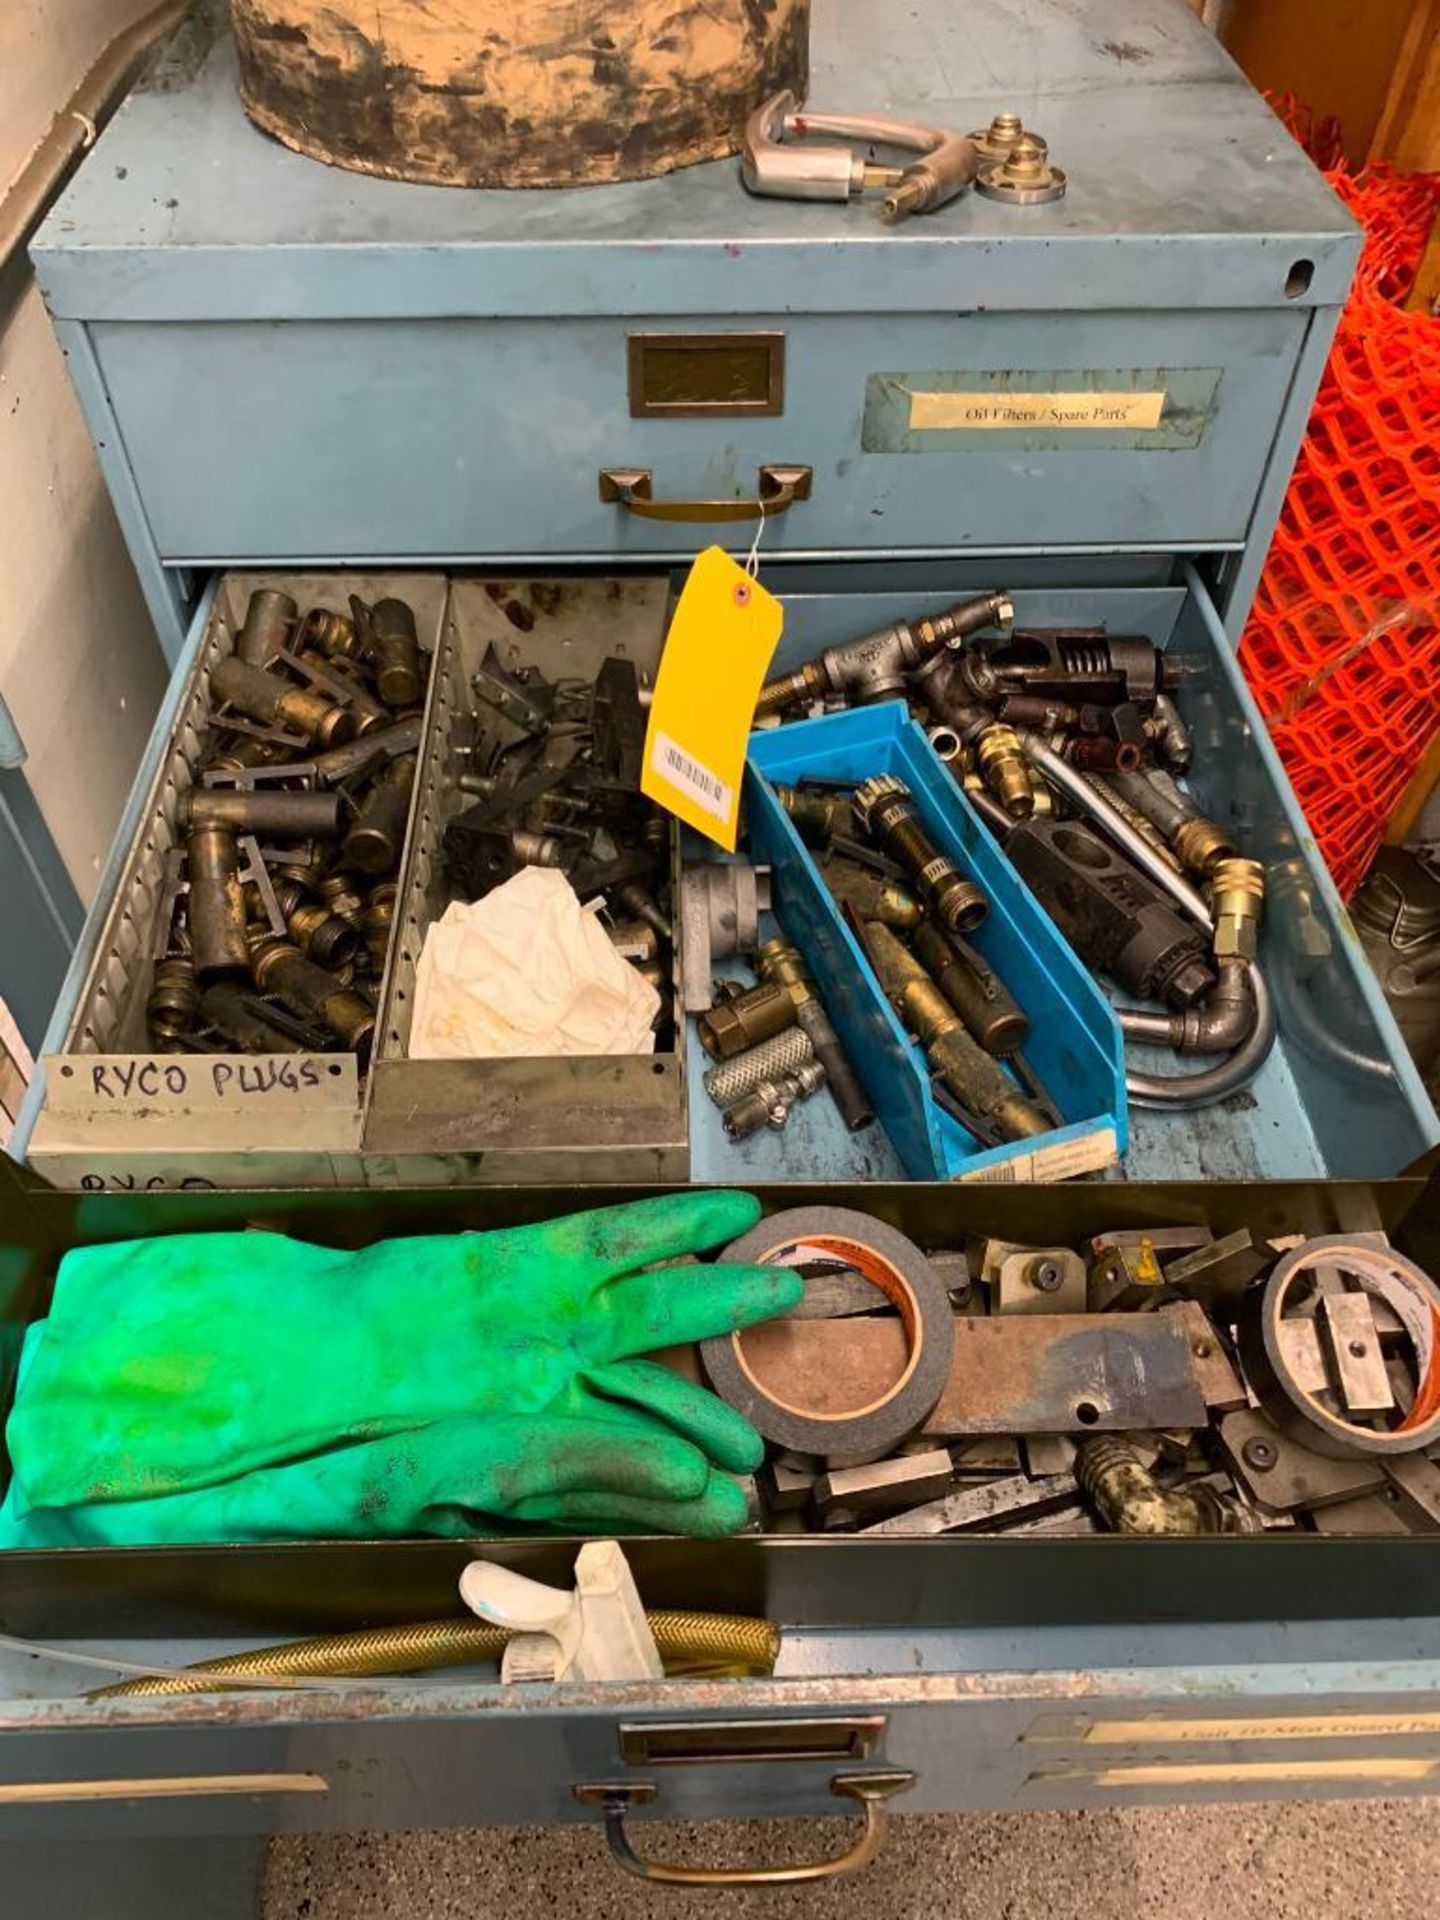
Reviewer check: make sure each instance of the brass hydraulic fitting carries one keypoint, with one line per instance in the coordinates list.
(1025, 177)
(1201, 845)
(269, 621)
(216, 903)
(973, 988)
(996, 141)
(265, 696)
(377, 836)
(885, 808)
(395, 654)
(817, 813)
(634, 940)
(338, 891)
(307, 989)
(327, 939)
(746, 1020)
(304, 816)
(871, 895)
(1237, 897)
(1005, 772)
(874, 666)
(378, 920)
(781, 964)
(971, 1075)
(174, 999)
(245, 751)
(333, 633)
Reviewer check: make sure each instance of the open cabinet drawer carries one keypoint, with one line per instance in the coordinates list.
(1338, 1098)
(1000, 1672)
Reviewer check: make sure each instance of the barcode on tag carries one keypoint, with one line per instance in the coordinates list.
(672, 763)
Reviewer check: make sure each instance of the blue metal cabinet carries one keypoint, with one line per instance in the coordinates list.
(282, 363)
(424, 373)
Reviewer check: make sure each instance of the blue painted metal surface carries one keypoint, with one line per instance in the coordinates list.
(165, 590)
(1075, 1041)
(40, 910)
(494, 448)
(1185, 192)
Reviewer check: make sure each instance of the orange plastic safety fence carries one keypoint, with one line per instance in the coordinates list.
(1343, 646)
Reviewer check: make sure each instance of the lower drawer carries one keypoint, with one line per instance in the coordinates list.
(999, 1672)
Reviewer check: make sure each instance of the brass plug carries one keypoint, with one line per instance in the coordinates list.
(174, 999)
(1005, 772)
(971, 1075)
(1238, 900)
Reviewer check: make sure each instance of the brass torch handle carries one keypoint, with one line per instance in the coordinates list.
(777, 489)
(870, 1789)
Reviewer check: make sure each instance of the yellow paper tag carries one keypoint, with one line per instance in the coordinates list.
(725, 630)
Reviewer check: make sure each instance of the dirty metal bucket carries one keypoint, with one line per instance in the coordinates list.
(515, 93)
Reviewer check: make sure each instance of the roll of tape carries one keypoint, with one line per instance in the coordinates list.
(903, 1274)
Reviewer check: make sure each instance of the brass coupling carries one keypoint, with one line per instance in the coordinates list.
(746, 1019)
(1004, 770)
(886, 809)
(280, 968)
(817, 814)
(971, 1075)
(1237, 898)
(263, 696)
(174, 998)
(1201, 843)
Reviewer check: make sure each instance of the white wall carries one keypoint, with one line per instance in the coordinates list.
(79, 665)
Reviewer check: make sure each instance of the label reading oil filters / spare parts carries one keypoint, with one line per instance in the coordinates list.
(1158, 409)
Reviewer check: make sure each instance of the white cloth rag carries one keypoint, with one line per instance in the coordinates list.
(523, 973)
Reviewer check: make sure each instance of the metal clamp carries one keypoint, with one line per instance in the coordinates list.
(777, 158)
(872, 1790)
(777, 490)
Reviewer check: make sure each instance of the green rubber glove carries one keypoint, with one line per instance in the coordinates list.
(298, 1391)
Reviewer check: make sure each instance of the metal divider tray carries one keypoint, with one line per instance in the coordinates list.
(604, 1118)
(114, 1112)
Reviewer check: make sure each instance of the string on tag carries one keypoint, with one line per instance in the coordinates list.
(752, 559)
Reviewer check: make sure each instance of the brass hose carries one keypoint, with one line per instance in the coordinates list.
(713, 1645)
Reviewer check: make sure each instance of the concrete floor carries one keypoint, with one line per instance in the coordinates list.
(1324, 1860)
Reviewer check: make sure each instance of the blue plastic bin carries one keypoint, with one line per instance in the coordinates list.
(1074, 1045)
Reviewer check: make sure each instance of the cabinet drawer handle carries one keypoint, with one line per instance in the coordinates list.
(778, 488)
(870, 1789)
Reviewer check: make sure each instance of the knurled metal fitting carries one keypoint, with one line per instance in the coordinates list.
(886, 809)
(782, 1053)
(1200, 843)
(996, 141)
(1025, 177)
(1238, 902)
(1005, 772)
(174, 998)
